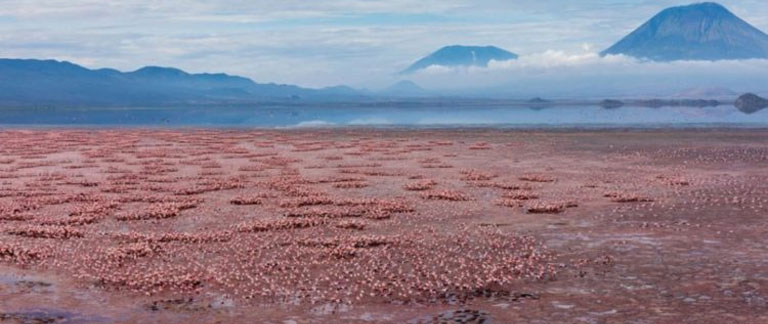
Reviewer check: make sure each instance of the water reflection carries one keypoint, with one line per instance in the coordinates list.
(533, 114)
(751, 109)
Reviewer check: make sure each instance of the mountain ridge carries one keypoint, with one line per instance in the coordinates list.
(29, 82)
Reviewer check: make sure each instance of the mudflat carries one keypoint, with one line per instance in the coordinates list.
(383, 226)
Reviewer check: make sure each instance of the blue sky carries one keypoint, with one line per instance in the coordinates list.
(314, 43)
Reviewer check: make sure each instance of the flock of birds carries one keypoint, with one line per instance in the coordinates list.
(273, 216)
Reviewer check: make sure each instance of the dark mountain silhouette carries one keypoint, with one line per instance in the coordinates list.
(57, 83)
(458, 55)
(751, 103)
(702, 31)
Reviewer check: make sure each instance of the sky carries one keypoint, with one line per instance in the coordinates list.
(362, 43)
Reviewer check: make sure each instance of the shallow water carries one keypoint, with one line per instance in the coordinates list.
(444, 116)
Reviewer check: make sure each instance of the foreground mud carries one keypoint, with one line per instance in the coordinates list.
(383, 226)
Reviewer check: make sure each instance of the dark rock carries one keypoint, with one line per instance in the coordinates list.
(468, 316)
(611, 104)
(179, 304)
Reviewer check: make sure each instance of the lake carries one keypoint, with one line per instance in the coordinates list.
(426, 117)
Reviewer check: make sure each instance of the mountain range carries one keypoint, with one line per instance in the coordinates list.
(702, 31)
(459, 55)
(59, 83)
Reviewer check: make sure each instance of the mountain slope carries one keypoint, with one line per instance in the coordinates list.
(702, 31)
(458, 55)
(49, 82)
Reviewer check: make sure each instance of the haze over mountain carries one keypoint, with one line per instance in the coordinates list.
(706, 93)
(702, 31)
(405, 88)
(459, 55)
(49, 82)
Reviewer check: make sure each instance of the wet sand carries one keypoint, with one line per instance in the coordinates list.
(383, 226)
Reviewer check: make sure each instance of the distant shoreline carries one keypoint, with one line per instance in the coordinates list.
(395, 103)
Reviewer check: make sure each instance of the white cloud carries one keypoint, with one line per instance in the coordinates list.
(555, 72)
(551, 59)
(556, 61)
(536, 63)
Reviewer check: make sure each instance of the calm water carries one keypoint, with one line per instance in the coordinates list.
(565, 116)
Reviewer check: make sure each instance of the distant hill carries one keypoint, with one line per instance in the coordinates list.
(539, 103)
(702, 31)
(458, 55)
(611, 104)
(751, 103)
(57, 83)
(539, 100)
(405, 88)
